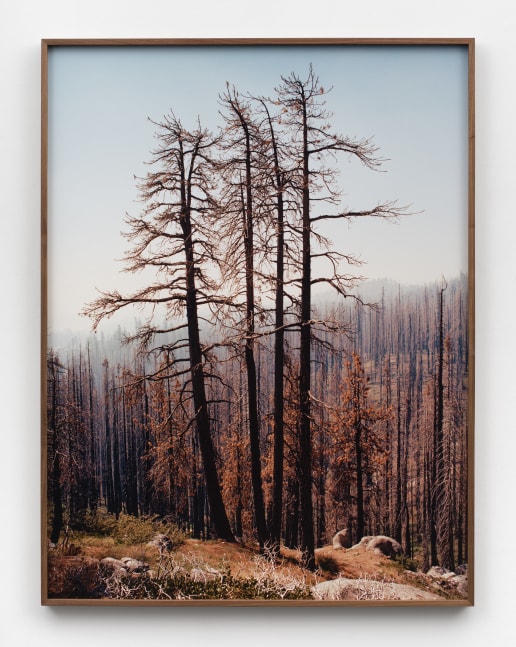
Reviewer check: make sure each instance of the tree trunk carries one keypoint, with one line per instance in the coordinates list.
(398, 508)
(57, 499)
(217, 509)
(108, 466)
(360, 481)
(305, 440)
(279, 359)
(252, 388)
(93, 494)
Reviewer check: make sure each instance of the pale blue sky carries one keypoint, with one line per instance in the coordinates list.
(411, 100)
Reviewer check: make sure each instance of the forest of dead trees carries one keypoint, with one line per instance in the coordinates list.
(246, 405)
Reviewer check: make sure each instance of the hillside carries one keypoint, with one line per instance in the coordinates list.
(103, 568)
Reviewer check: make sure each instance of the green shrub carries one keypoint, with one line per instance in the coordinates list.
(140, 530)
(133, 530)
(95, 523)
(406, 563)
(127, 529)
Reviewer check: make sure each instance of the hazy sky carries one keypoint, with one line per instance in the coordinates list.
(411, 100)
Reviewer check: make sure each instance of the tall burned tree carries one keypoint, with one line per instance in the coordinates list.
(174, 238)
(358, 429)
(54, 370)
(93, 487)
(442, 536)
(70, 465)
(277, 182)
(111, 473)
(312, 142)
(241, 144)
(257, 198)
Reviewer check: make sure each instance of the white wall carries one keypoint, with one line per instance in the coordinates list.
(22, 24)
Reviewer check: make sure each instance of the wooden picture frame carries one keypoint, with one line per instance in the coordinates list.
(244, 438)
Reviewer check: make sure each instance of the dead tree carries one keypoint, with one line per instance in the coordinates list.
(240, 141)
(174, 238)
(278, 181)
(306, 117)
(54, 370)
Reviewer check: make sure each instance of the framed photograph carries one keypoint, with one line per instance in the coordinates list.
(257, 322)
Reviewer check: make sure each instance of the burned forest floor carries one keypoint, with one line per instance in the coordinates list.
(129, 564)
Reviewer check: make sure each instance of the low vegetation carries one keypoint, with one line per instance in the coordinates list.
(181, 568)
(163, 563)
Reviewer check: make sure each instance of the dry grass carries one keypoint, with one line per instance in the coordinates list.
(241, 559)
(242, 562)
(359, 563)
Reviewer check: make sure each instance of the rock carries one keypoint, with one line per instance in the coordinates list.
(462, 569)
(362, 543)
(460, 583)
(134, 565)
(448, 581)
(382, 545)
(363, 589)
(440, 573)
(110, 566)
(341, 540)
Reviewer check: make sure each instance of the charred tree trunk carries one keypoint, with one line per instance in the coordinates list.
(57, 497)
(131, 488)
(305, 439)
(398, 508)
(441, 507)
(217, 509)
(279, 357)
(146, 483)
(108, 465)
(93, 494)
(292, 514)
(252, 388)
(117, 484)
(360, 481)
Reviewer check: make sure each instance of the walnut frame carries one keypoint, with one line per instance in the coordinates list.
(50, 44)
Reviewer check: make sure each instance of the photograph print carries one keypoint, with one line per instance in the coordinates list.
(257, 376)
